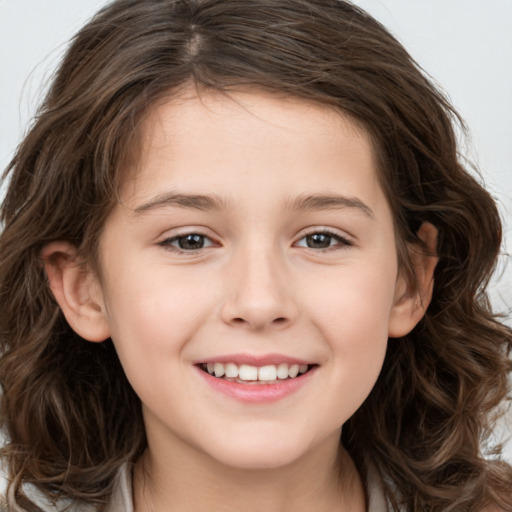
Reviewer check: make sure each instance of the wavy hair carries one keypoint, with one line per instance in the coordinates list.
(71, 417)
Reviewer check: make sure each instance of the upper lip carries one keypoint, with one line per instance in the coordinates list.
(254, 359)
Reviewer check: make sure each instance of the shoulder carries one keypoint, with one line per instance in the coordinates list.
(33, 499)
(374, 489)
(4, 481)
(122, 498)
(43, 504)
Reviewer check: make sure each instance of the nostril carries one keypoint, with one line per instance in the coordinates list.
(241, 321)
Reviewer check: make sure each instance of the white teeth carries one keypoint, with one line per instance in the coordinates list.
(282, 371)
(248, 372)
(293, 371)
(267, 373)
(231, 371)
(218, 369)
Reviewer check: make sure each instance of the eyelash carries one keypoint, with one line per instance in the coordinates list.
(167, 243)
(341, 242)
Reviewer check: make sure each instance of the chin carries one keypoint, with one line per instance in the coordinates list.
(259, 461)
(263, 453)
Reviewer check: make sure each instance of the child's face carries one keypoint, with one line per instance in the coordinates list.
(254, 231)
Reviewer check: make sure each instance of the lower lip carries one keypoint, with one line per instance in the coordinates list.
(257, 393)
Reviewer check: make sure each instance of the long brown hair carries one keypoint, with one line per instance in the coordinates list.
(69, 413)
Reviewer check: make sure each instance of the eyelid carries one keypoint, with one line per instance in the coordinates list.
(343, 239)
(166, 241)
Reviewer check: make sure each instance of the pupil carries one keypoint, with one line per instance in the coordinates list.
(191, 242)
(318, 241)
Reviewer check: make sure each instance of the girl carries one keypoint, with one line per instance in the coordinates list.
(243, 268)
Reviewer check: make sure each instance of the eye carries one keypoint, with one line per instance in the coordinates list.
(322, 240)
(187, 242)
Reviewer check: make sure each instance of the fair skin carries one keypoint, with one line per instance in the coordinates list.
(253, 231)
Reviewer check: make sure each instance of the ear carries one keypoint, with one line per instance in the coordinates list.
(77, 291)
(411, 302)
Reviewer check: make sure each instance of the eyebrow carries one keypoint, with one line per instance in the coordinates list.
(210, 202)
(329, 202)
(193, 201)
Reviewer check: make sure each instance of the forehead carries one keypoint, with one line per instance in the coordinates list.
(212, 140)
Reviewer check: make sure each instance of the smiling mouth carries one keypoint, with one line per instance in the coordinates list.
(248, 374)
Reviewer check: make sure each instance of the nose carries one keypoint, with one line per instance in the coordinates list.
(259, 292)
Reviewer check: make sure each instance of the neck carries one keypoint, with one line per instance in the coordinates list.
(320, 481)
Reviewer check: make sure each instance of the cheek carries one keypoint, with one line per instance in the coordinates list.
(151, 322)
(353, 314)
(153, 312)
(355, 300)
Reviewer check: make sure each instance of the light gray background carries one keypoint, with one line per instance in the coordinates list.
(465, 45)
